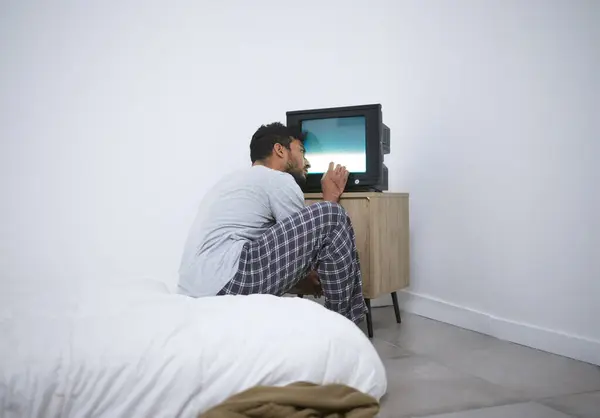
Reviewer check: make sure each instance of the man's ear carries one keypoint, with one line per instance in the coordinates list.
(278, 149)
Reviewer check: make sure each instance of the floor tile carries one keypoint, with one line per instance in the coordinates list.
(533, 374)
(423, 335)
(584, 405)
(521, 410)
(388, 351)
(420, 386)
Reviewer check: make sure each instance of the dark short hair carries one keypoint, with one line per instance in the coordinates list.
(265, 138)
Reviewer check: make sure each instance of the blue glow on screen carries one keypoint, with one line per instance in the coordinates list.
(341, 140)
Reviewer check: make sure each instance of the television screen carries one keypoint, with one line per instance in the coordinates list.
(342, 140)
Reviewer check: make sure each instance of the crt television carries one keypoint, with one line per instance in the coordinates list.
(352, 136)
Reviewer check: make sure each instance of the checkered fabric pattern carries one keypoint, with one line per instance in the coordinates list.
(320, 235)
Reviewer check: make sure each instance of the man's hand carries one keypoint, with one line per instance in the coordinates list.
(334, 183)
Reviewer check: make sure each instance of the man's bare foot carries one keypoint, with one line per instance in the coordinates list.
(310, 285)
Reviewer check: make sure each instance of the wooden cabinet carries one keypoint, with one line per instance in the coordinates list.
(381, 226)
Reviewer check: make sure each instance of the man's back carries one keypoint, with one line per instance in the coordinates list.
(239, 209)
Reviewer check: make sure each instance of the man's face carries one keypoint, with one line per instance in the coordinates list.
(297, 165)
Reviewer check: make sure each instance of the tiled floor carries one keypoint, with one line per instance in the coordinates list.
(435, 369)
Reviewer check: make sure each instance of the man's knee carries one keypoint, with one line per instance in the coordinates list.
(329, 209)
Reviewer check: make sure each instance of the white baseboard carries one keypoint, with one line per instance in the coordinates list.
(573, 346)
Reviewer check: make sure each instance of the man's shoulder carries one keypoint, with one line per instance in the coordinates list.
(261, 179)
(271, 176)
(247, 175)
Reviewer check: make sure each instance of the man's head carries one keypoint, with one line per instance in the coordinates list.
(281, 148)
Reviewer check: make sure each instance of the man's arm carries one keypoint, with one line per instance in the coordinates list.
(286, 199)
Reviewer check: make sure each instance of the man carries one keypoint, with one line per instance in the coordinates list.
(253, 233)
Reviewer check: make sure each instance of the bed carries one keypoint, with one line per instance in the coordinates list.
(137, 349)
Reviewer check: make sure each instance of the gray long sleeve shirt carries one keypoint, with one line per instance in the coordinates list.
(238, 209)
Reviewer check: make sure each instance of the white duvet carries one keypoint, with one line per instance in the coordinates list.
(138, 351)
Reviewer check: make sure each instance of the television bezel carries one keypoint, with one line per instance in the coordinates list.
(373, 126)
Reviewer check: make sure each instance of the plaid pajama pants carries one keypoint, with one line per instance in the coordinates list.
(321, 237)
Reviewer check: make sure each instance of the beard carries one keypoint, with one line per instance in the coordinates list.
(297, 173)
(299, 177)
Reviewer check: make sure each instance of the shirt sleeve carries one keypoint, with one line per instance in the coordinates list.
(286, 198)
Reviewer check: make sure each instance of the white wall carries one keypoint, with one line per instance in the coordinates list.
(116, 117)
(501, 166)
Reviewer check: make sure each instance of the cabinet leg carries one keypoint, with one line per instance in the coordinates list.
(369, 318)
(396, 307)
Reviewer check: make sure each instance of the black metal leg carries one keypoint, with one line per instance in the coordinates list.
(396, 307)
(369, 318)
